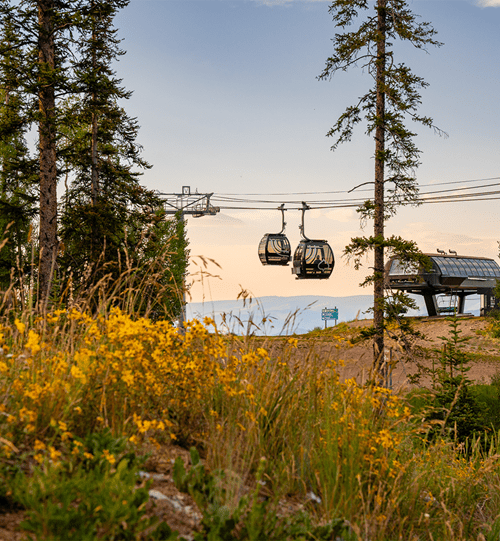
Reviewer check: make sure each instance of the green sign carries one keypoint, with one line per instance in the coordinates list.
(329, 313)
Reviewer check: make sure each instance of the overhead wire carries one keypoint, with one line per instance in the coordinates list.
(454, 194)
(449, 198)
(230, 202)
(280, 194)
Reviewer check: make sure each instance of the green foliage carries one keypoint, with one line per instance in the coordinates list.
(252, 518)
(395, 304)
(66, 502)
(17, 169)
(406, 251)
(386, 106)
(494, 315)
(110, 223)
(488, 397)
(401, 88)
(495, 328)
(455, 407)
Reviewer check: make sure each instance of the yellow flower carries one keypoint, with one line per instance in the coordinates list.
(33, 342)
(39, 445)
(263, 354)
(21, 327)
(250, 415)
(108, 456)
(54, 453)
(128, 377)
(79, 375)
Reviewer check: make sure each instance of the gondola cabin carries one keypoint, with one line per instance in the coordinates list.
(313, 259)
(275, 249)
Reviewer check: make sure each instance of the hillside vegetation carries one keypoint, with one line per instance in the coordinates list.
(292, 447)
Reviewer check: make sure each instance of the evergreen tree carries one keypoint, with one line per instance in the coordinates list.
(394, 97)
(106, 210)
(43, 30)
(18, 172)
(61, 53)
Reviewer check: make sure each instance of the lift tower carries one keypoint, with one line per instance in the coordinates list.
(188, 204)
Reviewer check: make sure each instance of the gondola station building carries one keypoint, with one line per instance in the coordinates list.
(448, 283)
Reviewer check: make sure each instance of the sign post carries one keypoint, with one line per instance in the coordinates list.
(329, 313)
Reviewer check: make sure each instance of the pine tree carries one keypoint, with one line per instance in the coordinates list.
(43, 29)
(106, 210)
(18, 172)
(393, 98)
(100, 151)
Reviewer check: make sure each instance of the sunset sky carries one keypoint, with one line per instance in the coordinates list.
(227, 98)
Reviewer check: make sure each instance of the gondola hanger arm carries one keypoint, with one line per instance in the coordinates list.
(305, 207)
(283, 223)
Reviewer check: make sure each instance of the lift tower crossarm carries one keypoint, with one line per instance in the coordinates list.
(196, 205)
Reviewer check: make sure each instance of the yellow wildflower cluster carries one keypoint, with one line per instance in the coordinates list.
(114, 370)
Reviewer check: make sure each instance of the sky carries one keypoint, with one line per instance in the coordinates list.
(228, 100)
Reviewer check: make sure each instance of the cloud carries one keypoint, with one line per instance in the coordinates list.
(489, 3)
(429, 239)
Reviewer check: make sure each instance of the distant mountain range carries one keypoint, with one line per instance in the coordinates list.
(287, 315)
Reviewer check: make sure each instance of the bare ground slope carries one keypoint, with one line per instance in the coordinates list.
(356, 353)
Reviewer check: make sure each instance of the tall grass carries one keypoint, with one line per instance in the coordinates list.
(340, 449)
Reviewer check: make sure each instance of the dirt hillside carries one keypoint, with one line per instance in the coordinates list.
(357, 352)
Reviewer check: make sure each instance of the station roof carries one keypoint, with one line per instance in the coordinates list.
(451, 266)
(467, 267)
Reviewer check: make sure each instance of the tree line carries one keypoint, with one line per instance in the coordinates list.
(58, 86)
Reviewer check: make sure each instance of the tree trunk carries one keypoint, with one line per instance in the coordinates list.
(378, 287)
(47, 148)
(94, 156)
(95, 189)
